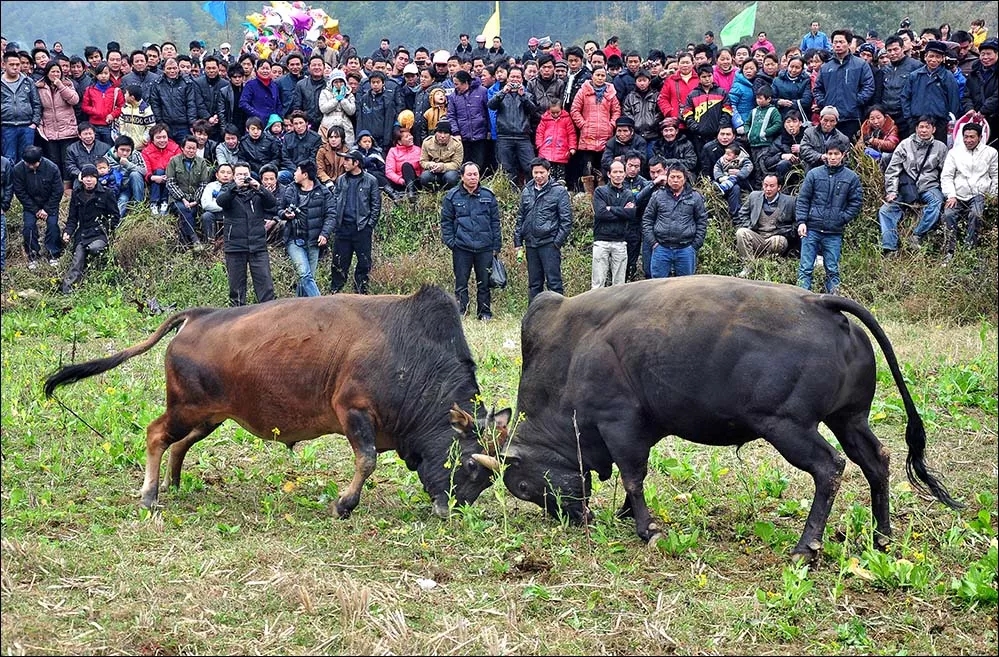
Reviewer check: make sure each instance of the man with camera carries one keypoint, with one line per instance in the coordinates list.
(246, 206)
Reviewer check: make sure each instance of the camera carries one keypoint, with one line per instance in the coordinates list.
(905, 24)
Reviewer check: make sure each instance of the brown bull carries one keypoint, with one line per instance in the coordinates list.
(388, 372)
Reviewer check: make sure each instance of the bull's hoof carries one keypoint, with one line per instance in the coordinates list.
(653, 542)
(803, 555)
(441, 509)
(149, 500)
(882, 542)
(342, 510)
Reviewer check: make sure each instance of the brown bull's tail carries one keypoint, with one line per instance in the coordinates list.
(915, 433)
(78, 371)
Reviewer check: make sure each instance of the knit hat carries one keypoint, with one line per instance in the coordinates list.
(642, 73)
(829, 110)
(272, 119)
(989, 44)
(562, 64)
(88, 170)
(625, 122)
(668, 122)
(869, 49)
(443, 126)
(337, 74)
(355, 155)
(533, 41)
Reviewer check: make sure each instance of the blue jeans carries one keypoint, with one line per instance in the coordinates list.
(829, 246)
(53, 236)
(158, 191)
(667, 260)
(544, 267)
(103, 133)
(305, 259)
(211, 225)
(890, 213)
(186, 223)
(133, 189)
(15, 140)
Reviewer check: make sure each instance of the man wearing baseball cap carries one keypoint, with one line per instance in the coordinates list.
(358, 205)
(932, 91)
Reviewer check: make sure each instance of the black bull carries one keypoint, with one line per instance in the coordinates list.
(389, 372)
(714, 360)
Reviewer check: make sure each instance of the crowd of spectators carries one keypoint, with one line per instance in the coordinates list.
(772, 126)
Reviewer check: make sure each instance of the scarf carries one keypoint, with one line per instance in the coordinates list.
(599, 92)
(265, 81)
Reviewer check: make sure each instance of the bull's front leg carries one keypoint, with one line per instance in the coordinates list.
(633, 473)
(361, 434)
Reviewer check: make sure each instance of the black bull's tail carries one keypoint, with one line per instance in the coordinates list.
(915, 434)
(78, 371)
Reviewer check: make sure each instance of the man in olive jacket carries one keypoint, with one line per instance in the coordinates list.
(543, 226)
(246, 206)
(470, 227)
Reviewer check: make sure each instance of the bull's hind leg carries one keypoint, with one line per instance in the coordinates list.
(863, 448)
(161, 433)
(806, 449)
(361, 434)
(179, 450)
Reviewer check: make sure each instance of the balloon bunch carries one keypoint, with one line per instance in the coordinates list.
(284, 27)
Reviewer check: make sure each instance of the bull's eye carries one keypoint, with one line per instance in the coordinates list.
(522, 487)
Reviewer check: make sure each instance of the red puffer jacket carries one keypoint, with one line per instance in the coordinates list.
(158, 158)
(556, 137)
(98, 104)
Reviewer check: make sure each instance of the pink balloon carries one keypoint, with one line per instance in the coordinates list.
(302, 22)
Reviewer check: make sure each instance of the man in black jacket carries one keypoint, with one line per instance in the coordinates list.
(246, 205)
(37, 185)
(358, 202)
(543, 226)
(613, 211)
(93, 216)
(299, 144)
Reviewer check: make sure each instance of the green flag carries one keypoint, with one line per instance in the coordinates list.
(742, 25)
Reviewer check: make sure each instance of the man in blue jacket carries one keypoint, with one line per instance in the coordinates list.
(932, 91)
(470, 227)
(829, 199)
(845, 82)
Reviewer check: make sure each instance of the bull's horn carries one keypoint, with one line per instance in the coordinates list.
(487, 461)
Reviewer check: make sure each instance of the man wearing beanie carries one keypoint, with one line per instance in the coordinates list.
(440, 158)
(623, 142)
(813, 144)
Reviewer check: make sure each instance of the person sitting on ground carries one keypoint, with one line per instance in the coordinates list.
(330, 157)
(258, 148)
(402, 165)
(441, 156)
(880, 136)
(186, 177)
(373, 161)
(817, 137)
(674, 148)
(211, 212)
(919, 157)
(733, 172)
(227, 151)
(766, 224)
(783, 157)
(624, 140)
(93, 217)
(157, 155)
(970, 173)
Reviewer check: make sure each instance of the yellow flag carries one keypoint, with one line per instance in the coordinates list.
(492, 28)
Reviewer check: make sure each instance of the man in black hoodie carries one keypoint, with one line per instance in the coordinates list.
(246, 205)
(93, 217)
(37, 185)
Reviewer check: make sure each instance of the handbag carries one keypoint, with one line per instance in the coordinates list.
(908, 191)
(497, 274)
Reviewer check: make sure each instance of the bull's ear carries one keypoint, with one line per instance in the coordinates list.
(460, 420)
(500, 419)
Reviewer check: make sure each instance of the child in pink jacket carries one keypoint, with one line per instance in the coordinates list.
(556, 138)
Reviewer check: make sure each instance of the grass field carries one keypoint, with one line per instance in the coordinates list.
(247, 556)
